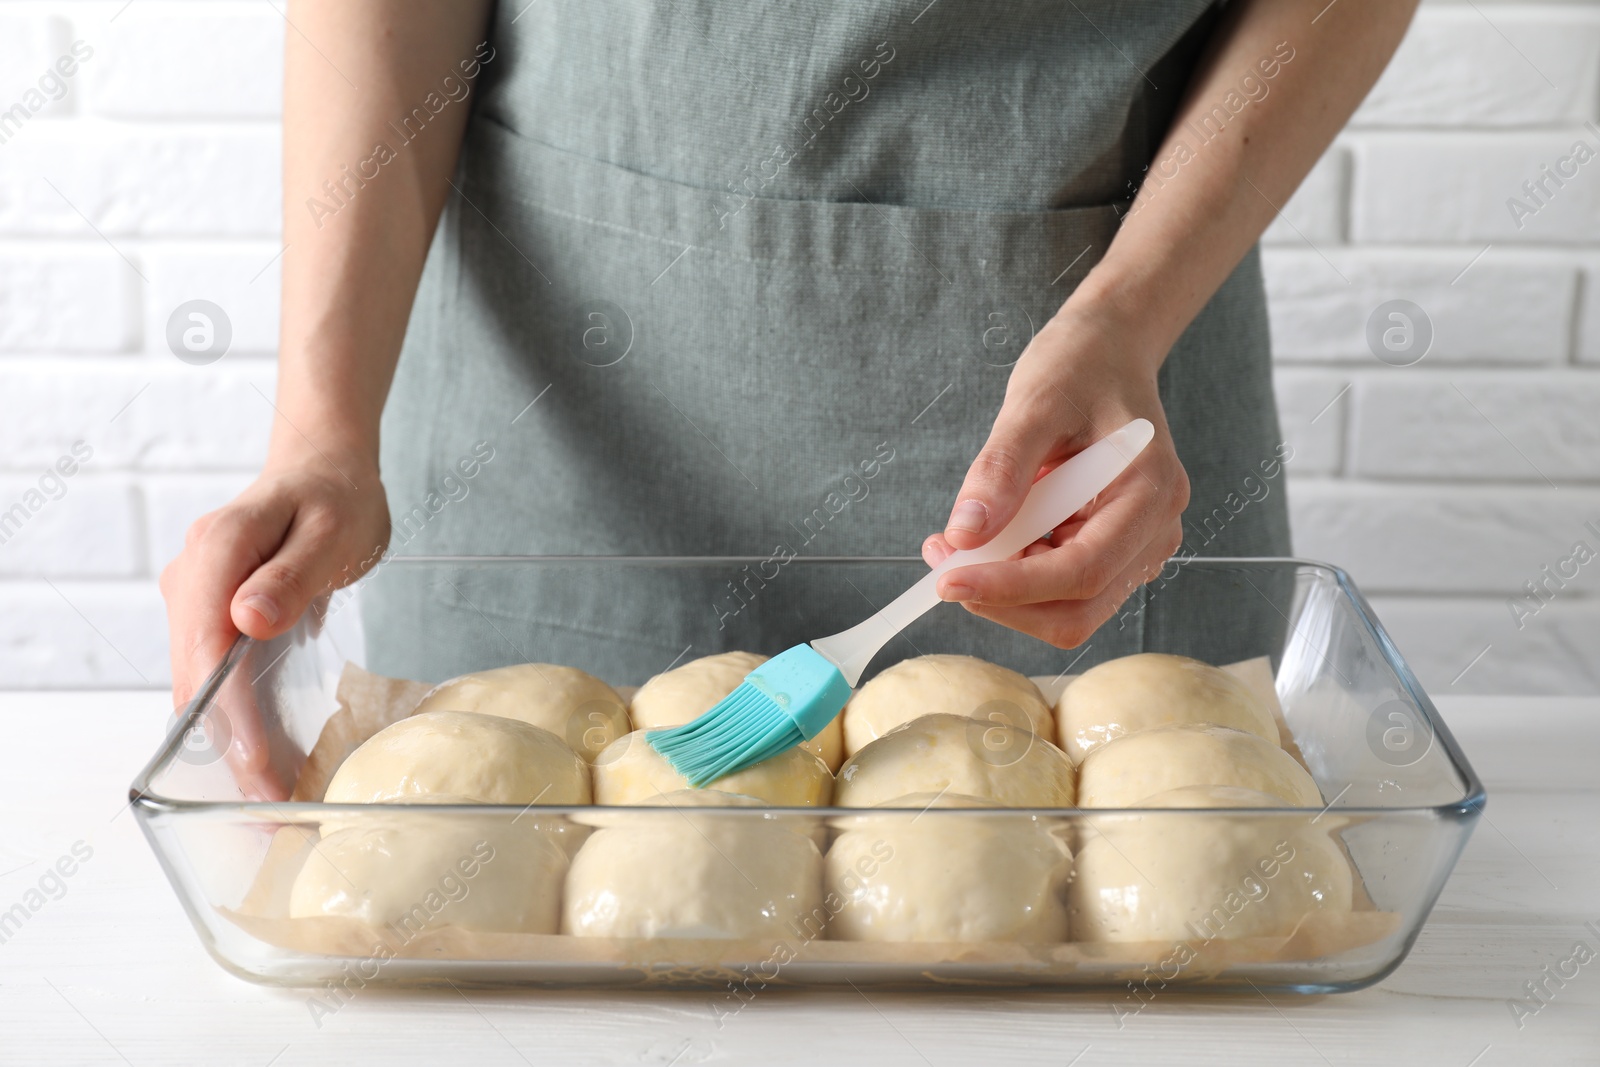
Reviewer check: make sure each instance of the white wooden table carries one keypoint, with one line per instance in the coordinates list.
(111, 972)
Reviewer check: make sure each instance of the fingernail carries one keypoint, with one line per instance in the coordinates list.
(969, 515)
(262, 605)
(956, 592)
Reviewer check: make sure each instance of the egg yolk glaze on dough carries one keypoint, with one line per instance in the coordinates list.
(574, 705)
(980, 878)
(1006, 765)
(414, 873)
(630, 771)
(1165, 877)
(948, 685)
(684, 693)
(1121, 773)
(484, 758)
(692, 875)
(1132, 693)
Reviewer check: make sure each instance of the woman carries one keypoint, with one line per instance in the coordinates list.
(700, 263)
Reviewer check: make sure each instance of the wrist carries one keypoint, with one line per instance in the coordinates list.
(298, 441)
(324, 412)
(1115, 319)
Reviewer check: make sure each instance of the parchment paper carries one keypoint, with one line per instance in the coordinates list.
(1318, 934)
(367, 703)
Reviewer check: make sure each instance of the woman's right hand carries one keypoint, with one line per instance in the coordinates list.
(308, 525)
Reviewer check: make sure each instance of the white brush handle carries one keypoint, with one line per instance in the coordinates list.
(1052, 501)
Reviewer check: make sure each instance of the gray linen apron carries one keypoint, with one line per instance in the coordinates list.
(760, 270)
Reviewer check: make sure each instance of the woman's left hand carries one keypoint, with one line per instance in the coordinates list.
(1084, 375)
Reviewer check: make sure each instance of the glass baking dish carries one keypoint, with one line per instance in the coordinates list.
(1401, 797)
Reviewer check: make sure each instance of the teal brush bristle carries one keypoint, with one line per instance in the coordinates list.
(744, 728)
(781, 703)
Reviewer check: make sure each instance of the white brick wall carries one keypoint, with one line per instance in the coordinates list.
(1442, 486)
(153, 181)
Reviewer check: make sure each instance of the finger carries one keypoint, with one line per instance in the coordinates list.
(241, 539)
(304, 565)
(232, 729)
(174, 582)
(169, 582)
(935, 549)
(222, 551)
(1001, 475)
(1069, 623)
(201, 637)
(243, 736)
(1126, 520)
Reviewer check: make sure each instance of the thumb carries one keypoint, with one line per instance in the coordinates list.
(280, 590)
(998, 480)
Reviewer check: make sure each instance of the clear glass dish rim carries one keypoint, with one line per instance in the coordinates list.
(146, 802)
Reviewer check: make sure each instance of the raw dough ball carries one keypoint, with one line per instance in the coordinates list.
(577, 707)
(693, 876)
(680, 695)
(971, 878)
(486, 758)
(1210, 796)
(950, 685)
(600, 816)
(1121, 773)
(629, 771)
(1171, 878)
(702, 798)
(1133, 693)
(563, 830)
(1006, 765)
(684, 693)
(417, 872)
